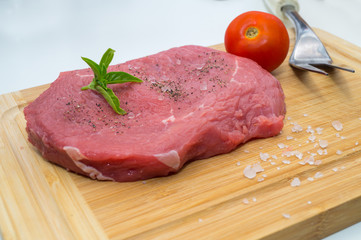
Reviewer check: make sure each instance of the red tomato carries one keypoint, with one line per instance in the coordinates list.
(259, 36)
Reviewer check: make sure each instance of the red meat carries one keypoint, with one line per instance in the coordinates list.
(194, 103)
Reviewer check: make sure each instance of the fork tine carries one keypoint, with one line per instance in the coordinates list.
(338, 67)
(305, 66)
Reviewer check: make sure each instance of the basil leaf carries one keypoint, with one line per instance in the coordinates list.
(94, 66)
(102, 78)
(111, 98)
(120, 77)
(105, 61)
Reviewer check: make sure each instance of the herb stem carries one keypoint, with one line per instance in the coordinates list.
(102, 78)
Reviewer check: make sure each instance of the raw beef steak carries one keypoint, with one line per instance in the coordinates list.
(194, 103)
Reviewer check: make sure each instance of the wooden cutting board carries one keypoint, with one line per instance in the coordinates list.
(208, 199)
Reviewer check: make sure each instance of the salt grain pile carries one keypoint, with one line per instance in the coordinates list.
(317, 140)
(288, 152)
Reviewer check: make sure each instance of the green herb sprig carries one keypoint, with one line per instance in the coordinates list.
(102, 78)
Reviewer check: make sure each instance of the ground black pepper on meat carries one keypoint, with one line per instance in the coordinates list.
(173, 89)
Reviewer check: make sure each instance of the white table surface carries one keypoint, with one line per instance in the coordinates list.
(41, 38)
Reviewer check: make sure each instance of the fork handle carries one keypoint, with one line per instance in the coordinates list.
(275, 7)
(299, 23)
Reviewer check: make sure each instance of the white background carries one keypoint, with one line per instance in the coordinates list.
(41, 38)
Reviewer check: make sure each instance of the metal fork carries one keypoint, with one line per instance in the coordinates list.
(309, 53)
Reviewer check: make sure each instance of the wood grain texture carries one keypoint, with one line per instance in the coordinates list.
(208, 199)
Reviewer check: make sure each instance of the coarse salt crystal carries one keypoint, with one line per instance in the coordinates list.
(289, 137)
(249, 172)
(310, 179)
(312, 138)
(203, 86)
(339, 152)
(323, 143)
(165, 89)
(258, 168)
(309, 202)
(245, 201)
(295, 182)
(286, 162)
(199, 66)
(260, 179)
(238, 163)
(286, 215)
(310, 130)
(264, 156)
(319, 151)
(298, 154)
(356, 143)
(200, 220)
(310, 160)
(287, 153)
(335, 169)
(319, 130)
(254, 199)
(318, 162)
(318, 175)
(131, 115)
(281, 145)
(296, 128)
(337, 125)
